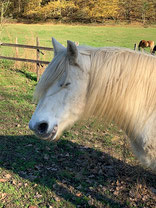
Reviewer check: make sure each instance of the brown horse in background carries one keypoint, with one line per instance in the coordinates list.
(145, 44)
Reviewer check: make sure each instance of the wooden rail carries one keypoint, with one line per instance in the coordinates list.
(24, 60)
(38, 51)
(26, 46)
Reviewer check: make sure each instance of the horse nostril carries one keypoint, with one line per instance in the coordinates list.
(42, 128)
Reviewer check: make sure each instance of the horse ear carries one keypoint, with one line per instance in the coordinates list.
(72, 52)
(57, 46)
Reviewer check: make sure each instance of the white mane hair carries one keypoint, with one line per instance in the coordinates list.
(117, 77)
(122, 86)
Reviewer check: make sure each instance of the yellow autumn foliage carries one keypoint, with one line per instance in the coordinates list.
(84, 10)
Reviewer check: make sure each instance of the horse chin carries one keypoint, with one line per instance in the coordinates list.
(53, 136)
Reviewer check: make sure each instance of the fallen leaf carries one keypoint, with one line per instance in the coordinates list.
(57, 199)
(3, 195)
(78, 194)
(8, 176)
(115, 139)
(2, 180)
(38, 195)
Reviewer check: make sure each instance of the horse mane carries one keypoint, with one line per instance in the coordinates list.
(122, 87)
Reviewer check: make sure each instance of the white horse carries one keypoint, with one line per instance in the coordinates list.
(114, 83)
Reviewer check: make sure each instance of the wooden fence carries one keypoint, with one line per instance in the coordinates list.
(38, 49)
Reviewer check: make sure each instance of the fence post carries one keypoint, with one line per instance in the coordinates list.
(16, 63)
(135, 46)
(37, 58)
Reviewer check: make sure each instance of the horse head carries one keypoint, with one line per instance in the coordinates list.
(60, 92)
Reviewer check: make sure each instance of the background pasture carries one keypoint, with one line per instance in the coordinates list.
(91, 165)
(96, 36)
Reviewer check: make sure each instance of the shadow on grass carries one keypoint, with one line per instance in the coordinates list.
(28, 75)
(75, 173)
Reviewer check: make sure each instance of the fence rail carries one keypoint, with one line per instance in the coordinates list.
(38, 51)
(26, 46)
(24, 60)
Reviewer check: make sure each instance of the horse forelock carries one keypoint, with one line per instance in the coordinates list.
(122, 87)
(52, 73)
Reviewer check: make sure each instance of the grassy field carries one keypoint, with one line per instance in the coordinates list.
(96, 36)
(91, 165)
(86, 35)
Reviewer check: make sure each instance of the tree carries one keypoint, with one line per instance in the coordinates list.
(3, 8)
(82, 10)
(104, 9)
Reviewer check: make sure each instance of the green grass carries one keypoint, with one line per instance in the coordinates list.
(91, 165)
(97, 36)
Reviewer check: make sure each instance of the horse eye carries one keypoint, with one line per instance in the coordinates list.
(65, 85)
(68, 83)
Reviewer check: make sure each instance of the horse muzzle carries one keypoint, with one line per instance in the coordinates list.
(42, 130)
